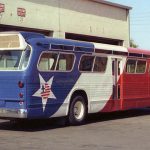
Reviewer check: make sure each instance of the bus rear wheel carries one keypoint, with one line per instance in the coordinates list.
(77, 111)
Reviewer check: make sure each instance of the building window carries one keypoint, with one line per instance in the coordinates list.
(100, 64)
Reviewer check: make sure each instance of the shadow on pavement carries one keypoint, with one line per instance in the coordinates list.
(118, 115)
(49, 124)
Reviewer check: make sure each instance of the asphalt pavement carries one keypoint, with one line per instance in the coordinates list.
(128, 130)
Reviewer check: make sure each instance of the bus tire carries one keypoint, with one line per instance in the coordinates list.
(77, 110)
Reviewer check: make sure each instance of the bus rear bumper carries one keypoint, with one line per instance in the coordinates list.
(13, 113)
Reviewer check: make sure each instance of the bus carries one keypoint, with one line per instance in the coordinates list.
(43, 77)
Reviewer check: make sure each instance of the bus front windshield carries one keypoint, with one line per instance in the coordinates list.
(14, 59)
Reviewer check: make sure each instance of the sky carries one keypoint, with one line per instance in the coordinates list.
(139, 21)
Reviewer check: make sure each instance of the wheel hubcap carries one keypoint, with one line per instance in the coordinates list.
(79, 110)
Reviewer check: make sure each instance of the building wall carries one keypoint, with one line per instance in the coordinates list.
(72, 16)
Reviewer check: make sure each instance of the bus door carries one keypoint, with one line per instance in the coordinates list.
(117, 81)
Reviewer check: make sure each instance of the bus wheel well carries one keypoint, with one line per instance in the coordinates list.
(81, 93)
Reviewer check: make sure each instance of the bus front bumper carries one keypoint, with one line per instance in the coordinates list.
(13, 113)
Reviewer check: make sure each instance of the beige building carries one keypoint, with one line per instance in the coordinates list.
(89, 20)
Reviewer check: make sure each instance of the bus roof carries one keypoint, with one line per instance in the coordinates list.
(139, 51)
(73, 45)
(109, 47)
(16, 40)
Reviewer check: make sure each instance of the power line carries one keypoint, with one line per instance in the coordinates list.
(140, 14)
(139, 17)
(140, 24)
(145, 31)
(143, 12)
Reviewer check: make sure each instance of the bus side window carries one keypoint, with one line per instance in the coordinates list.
(86, 63)
(119, 67)
(26, 56)
(65, 62)
(9, 60)
(141, 66)
(130, 66)
(2, 63)
(100, 64)
(47, 61)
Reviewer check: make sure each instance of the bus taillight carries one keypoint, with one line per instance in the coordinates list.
(20, 84)
(20, 95)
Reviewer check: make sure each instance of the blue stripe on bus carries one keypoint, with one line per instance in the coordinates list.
(62, 84)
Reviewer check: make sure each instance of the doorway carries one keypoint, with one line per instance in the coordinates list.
(116, 73)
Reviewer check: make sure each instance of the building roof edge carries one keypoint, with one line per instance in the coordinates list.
(113, 4)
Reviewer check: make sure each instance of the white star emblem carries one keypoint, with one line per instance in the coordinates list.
(45, 91)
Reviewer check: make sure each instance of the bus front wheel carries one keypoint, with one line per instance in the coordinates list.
(77, 111)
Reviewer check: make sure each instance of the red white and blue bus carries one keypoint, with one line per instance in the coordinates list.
(43, 77)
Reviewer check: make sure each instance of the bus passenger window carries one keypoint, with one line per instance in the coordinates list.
(1, 63)
(100, 64)
(141, 66)
(113, 67)
(65, 62)
(11, 62)
(10, 59)
(119, 68)
(86, 63)
(47, 61)
(130, 67)
(25, 59)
